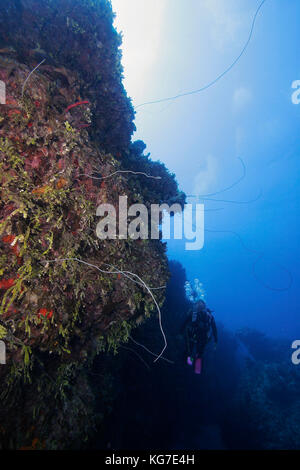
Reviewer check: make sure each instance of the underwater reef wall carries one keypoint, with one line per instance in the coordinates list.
(77, 37)
(65, 124)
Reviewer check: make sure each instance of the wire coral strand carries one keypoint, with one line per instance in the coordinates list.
(225, 189)
(148, 350)
(32, 71)
(134, 352)
(233, 202)
(260, 256)
(121, 171)
(127, 274)
(213, 82)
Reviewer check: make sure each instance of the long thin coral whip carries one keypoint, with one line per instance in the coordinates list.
(32, 71)
(127, 274)
(157, 288)
(133, 280)
(233, 202)
(260, 256)
(121, 171)
(148, 350)
(134, 352)
(227, 187)
(267, 286)
(158, 310)
(213, 82)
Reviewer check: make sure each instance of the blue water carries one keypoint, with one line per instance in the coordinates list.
(248, 114)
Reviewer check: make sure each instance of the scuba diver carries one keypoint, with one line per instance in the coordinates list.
(199, 327)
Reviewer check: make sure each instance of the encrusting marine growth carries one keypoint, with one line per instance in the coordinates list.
(65, 147)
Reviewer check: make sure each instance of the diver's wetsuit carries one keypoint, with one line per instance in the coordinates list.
(198, 332)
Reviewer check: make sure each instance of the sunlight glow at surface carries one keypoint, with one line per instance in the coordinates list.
(175, 46)
(141, 22)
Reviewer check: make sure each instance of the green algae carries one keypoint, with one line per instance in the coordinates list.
(59, 315)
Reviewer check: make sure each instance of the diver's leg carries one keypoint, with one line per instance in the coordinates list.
(198, 358)
(198, 365)
(188, 353)
(192, 355)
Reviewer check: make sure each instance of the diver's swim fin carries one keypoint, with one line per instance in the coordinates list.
(198, 365)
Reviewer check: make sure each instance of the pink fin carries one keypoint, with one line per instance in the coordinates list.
(198, 365)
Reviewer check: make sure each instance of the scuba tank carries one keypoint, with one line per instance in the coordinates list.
(194, 313)
(195, 327)
(201, 323)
